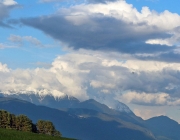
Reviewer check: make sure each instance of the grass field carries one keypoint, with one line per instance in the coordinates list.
(6, 134)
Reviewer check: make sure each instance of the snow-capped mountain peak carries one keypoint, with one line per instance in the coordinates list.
(119, 106)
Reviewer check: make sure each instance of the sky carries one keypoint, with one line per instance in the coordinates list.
(127, 51)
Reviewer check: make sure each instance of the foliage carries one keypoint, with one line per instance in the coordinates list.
(47, 127)
(23, 123)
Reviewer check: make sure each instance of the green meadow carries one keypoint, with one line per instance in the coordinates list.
(6, 134)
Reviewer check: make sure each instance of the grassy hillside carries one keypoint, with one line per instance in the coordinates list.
(6, 134)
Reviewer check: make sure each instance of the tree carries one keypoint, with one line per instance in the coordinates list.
(40, 126)
(47, 127)
(23, 123)
(7, 120)
(57, 134)
(4, 119)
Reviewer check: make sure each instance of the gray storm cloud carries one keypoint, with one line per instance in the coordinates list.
(112, 26)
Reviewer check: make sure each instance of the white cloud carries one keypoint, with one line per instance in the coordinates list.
(139, 65)
(144, 22)
(159, 41)
(98, 75)
(151, 99)
(8, 2)
(98, 84)
(3, 68)
(146, 98)
(21, 39)
(173, 40)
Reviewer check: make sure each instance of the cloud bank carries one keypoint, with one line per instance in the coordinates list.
(101, 76)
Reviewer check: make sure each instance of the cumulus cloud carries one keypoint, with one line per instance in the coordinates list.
(3, 68)
(173, 40)
(151, 66)
(100, 76)
(115, 26)
(40, 81)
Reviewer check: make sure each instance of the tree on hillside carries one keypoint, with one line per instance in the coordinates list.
(57, 133)
(23, 123)
(7, 120)
(47, 127)
(4, 119)
(40, 126)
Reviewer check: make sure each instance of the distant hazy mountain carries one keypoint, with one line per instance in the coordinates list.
(164, 128)
(94, 105)
(96, 126)
(119, 110)
(46, 100)
(125, 115)
(67, 102)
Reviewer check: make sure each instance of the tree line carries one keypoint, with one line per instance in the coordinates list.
(23, 123)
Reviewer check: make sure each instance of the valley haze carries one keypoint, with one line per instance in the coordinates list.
(112, 51)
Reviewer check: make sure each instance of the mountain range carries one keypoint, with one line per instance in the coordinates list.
(90, 120)
(60, 102)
